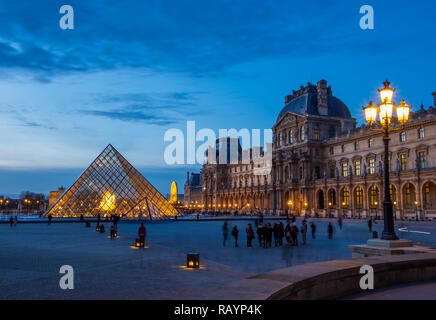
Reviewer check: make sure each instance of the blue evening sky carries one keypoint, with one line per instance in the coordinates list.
(130, 70)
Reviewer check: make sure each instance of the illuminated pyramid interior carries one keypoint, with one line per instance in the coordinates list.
(111, 185)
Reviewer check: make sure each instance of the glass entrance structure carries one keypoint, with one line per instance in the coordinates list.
(109, 186)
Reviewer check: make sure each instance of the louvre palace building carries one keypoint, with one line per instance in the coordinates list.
(323, 164)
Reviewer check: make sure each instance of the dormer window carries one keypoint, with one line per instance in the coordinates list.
(291, 136)
(302, 134)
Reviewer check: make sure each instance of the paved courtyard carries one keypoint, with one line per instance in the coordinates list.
(32, 253)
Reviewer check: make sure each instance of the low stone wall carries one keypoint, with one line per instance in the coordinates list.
(331, 279)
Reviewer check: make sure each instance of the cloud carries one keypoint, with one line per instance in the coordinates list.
(198, 37)
(130, 116)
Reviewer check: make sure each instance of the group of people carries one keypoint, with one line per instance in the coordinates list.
(267, 232)
(13, 221)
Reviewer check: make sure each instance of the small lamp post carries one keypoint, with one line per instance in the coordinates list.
(376, 210)
(416, 211)
(330, 209)
(290, 204)
(193, 260)
(385, 111)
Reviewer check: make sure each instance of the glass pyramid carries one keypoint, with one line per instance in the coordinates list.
(111, 185)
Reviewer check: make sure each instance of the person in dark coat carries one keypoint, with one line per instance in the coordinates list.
(260, 235)
(225, 233)
(11, 221)
(268, 235)
(288, 234)
(142, 233)
(276, 231)
(313, 228)
(330, 230)
(235, 233)
(281, 233)
(294, 234)
(250, 235)
(304, 232)
(370, 225)
(49, 219)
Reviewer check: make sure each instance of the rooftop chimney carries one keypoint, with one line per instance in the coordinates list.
(322, 94)
(434, 99)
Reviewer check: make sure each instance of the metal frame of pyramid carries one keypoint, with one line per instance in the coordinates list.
(111, 185)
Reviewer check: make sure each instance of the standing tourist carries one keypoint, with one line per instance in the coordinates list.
(370, 225)
(313, 228)
(142, 232)
(250, 235)
(268, 235)
(225, 233)
(281, 233)
(15, 221)
(260, 235)
(11, 221)
(276, 231)
(294, 234)
(304, 232)
(330, 230)
(340, 222)
(235, 233)
(288, 234)
(49, 218)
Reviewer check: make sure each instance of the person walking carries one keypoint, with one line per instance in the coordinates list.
(225, 233)
(313, 228)
(260, 235)
(288, 234)
(142, 233)
(281, 233)
(370, 224)
(276, 230)
(115, 221)
(235, 233)
(15, 221)
(330, 230)
(304, 232)
(250, 235)
(268, 235)
(11, 221)
(294, 234)
(340, 222)
(49, 219)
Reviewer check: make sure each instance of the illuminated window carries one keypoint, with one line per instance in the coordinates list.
(403, 136)
(422, 159)
(403, 160)
(345, 197)
(408, 194)
(373, 195)
(359, 197)
(302, 134)
(344, 169)
(316, 135)
(332, 197)
(356, 145)
(421, 133)
(371, 168)
(357, 167)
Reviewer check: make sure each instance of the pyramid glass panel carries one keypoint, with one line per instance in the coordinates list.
(109, 186)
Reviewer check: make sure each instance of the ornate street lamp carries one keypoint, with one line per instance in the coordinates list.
(290, 203)
(384, 111)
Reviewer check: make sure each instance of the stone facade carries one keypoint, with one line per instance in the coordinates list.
(322, 164)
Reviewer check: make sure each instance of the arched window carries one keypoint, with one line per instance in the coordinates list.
(358, 195)
(332, 197)
(291, 136)
(302, 134)
(345, 197)
(373, 193)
